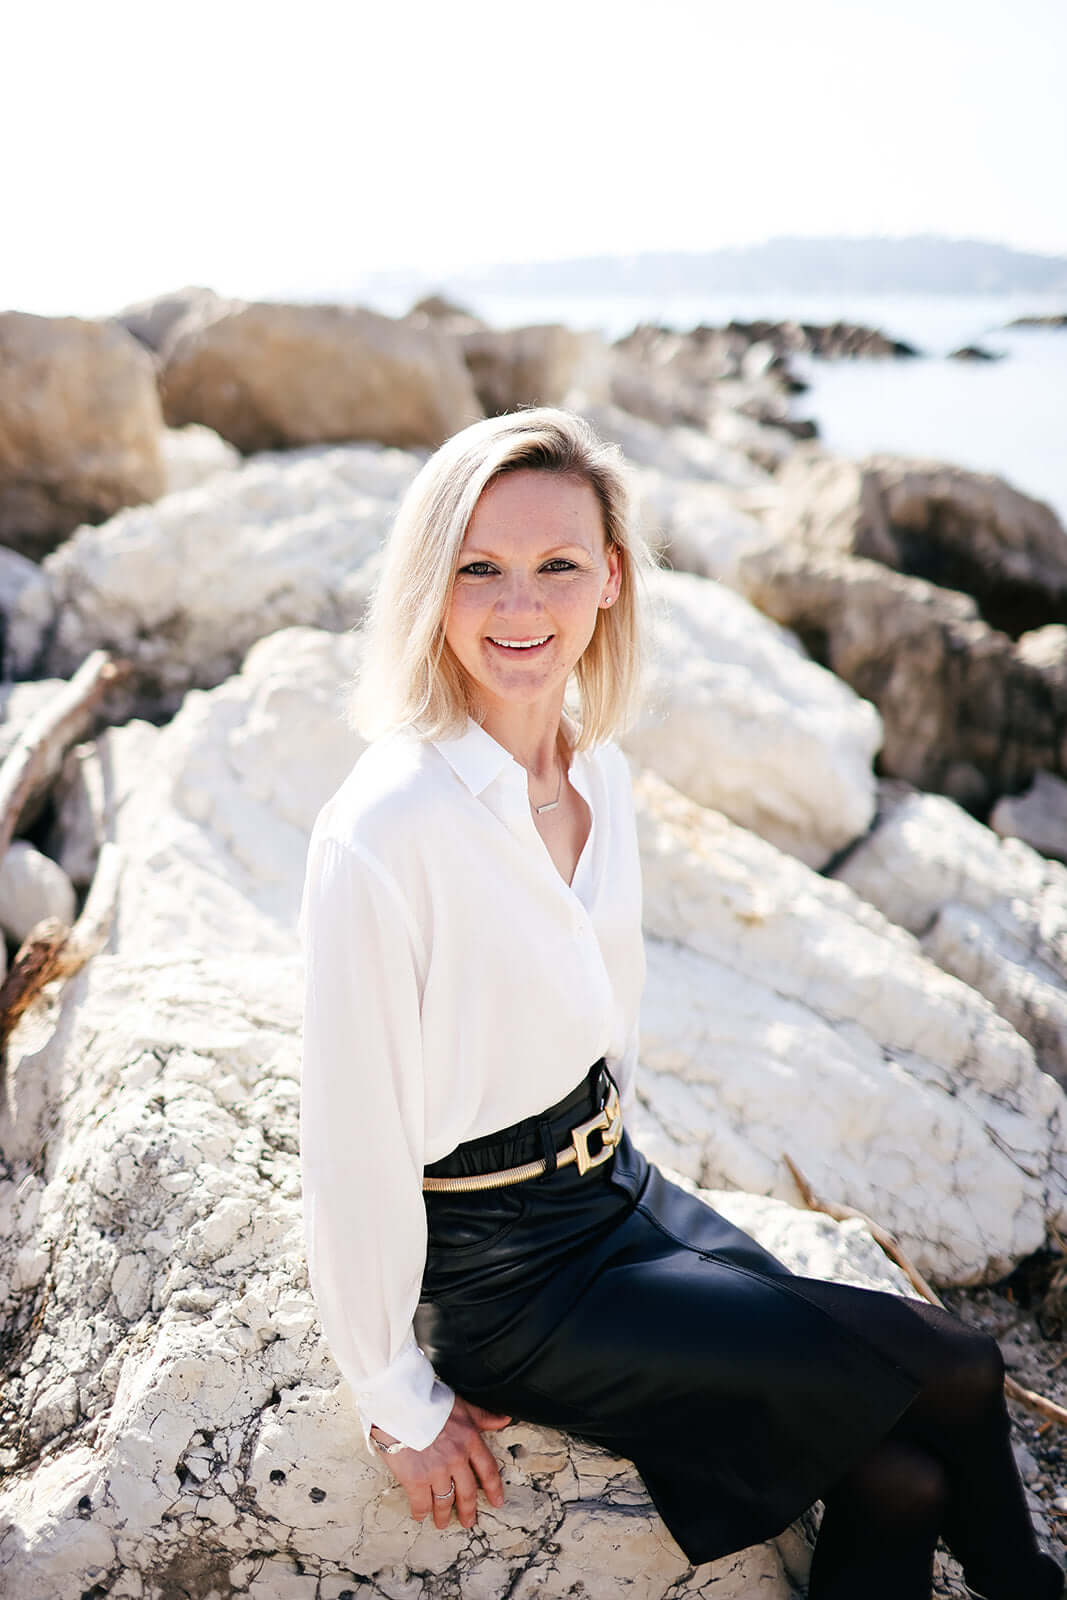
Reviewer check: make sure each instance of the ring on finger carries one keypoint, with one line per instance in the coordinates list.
(450, 1492)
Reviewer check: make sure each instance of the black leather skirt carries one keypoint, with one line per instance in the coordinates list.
(621, 1308)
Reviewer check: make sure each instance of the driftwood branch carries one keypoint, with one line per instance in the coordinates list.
(35, 757)
(1015, 1391)
(51, 950)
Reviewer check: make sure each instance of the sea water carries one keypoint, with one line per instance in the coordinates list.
(1007, 416)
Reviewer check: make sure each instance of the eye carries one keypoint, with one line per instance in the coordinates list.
(559, 564)
(477, 569)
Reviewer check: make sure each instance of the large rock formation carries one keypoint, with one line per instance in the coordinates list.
(990, 911)
(961, 530)
(270, 376)
(784, 1015)
(738, 718)
(546, 366)
(80, 427)
(171, 1420)
(183, 588)
(967, 711)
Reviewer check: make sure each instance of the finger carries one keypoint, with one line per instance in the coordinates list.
(420, 1501)
(484, 1464)
(466, 1496)
(443, 1502)
(492, 1421)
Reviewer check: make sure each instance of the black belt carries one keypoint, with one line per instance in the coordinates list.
(537, 1142)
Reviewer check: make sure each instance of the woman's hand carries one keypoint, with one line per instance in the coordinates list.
(459, 1456)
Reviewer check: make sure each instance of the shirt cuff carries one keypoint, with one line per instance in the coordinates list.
(407, 1400)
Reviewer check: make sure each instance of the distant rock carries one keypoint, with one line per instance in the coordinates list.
(547, 365)
(1054, 319)
(1039, 816)
(444, 314)
(975, 352)
(832, 341)
(153, 322)
(274, 376)
(962, 530)
(967, 712)
(80, 427)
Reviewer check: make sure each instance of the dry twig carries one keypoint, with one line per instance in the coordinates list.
(34, 758)
(1015, 1391)
(51, 950)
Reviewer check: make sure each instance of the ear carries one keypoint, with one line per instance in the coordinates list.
(610, 592)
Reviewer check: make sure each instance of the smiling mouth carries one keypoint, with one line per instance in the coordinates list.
(521, 644)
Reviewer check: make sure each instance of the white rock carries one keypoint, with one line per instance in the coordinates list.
(186, 1422)
(93, 784)
(1038, 817)
(32, 887)
(740, 719)
(677, 452)
(992, 912)
(193, 454)
(694, 525)
(28, 610)
(183, 588)
(784, 1015)
(220, 819)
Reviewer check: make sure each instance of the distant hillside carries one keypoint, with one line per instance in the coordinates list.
(924, 264)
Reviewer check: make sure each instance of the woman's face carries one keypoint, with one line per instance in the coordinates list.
(534, 570)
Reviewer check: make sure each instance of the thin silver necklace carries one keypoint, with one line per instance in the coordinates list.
(550, 805)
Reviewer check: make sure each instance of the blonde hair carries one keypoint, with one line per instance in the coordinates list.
(410, 677)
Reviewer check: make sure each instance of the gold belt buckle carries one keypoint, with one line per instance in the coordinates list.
(608, 1123)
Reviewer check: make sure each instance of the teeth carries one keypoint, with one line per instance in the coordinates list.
(522, 644)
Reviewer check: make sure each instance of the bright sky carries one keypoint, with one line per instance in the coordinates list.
(269, 149)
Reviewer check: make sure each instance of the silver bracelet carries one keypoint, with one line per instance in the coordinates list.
(387, 1449)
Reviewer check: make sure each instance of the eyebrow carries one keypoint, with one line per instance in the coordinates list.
(472, 553)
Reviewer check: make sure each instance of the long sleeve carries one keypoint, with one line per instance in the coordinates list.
(362, 1130)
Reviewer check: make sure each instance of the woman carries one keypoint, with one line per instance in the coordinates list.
(472, 916)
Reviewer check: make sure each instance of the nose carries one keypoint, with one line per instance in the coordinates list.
(518, 595)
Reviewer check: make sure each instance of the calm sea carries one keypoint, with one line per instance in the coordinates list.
(1007, 416)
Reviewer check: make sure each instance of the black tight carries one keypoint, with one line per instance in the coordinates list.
(946, 1469)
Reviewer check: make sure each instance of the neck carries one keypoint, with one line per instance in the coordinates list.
(531, 736)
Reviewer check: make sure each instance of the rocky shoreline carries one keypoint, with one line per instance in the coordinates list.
(852, 801)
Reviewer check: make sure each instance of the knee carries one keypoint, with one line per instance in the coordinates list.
(977, 1381)
(900, 1487)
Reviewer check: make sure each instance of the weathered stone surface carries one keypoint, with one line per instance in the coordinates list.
(961, 530)
(967, 711)
(738, 718)
(80, 427)
(193, 454)
(171, 1421)
(1038, 817)
(271, 376)
(32, 887)
(27, 611)
(93, 784)
(153, 322)
(783, 1014)
(679, 452)
(545, 366)
(990, 911)
(183, 588)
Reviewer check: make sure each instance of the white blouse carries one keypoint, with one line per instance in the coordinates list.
(455, 984)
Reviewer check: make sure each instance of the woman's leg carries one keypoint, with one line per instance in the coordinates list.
(960, 1420)
(880, 1527)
